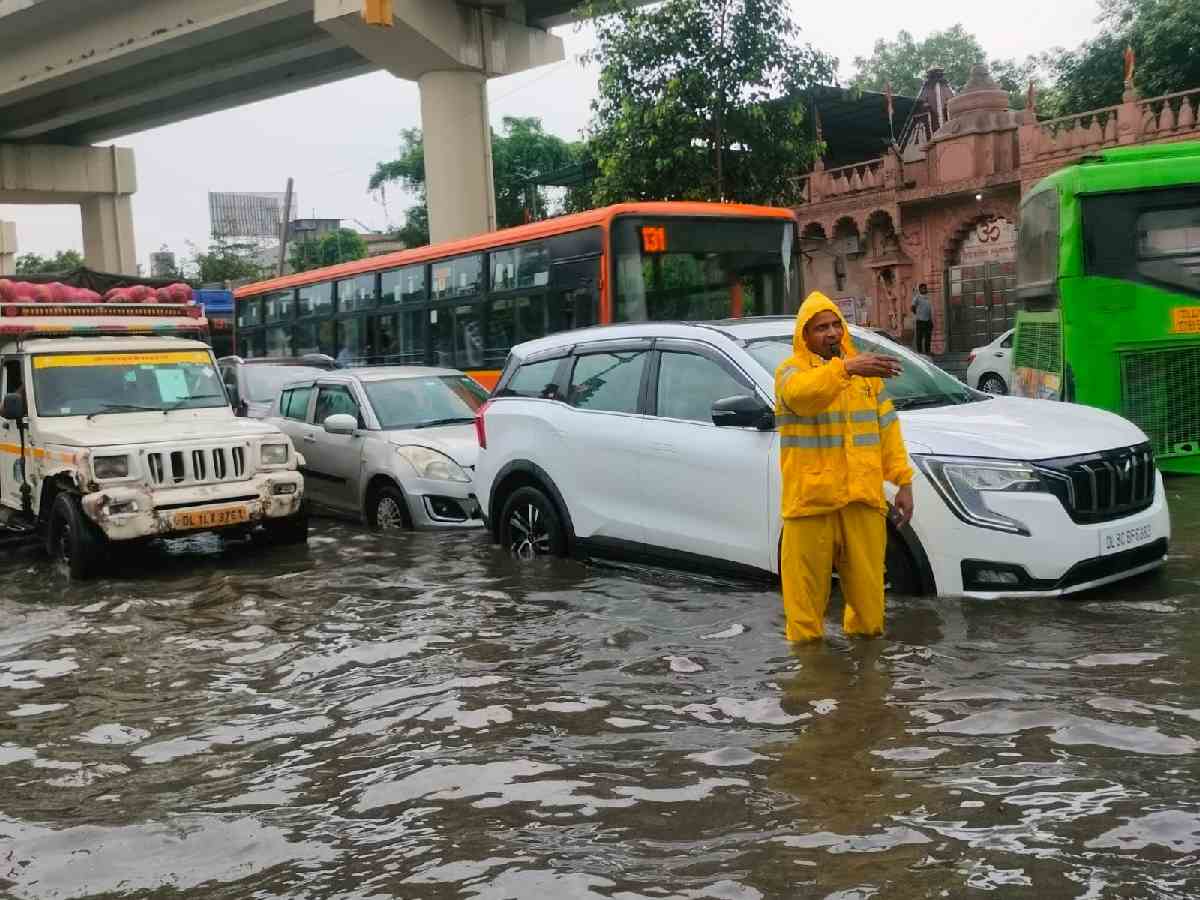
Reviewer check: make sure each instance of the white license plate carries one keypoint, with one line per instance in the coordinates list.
(1125, 537)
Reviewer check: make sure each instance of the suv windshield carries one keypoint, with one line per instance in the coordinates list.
(86, 384)
(425, 402)
(921, 384)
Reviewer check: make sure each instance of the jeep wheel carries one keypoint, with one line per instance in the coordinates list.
(531, 527)
(74, 540)
(287, 531)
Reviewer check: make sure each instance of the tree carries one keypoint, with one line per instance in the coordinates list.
(342, 245)
(701, 99)
(228, 260)
(521, 153)
(62, 261)
(1162, 34)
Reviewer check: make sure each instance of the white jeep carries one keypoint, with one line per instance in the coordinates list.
(127, 435)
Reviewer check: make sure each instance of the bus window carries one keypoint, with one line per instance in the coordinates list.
(701, 269)
(249, 312)
(315, 299)
(405, 285)
(1037, 247)
(411, 337)
(356, 293)
(277, 307)
(576, 294)
(460, 277)
(1148, 236)
(351, 342)
(532, 315)
(457, 336)
(279, 342)
(501, 330)
(252, 344)
(526, 266)
(314, 337)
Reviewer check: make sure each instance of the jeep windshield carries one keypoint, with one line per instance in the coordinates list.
(119, 383)
(921, 385)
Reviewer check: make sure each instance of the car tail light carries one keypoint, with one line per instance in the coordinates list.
(480, 428)
(970, 357)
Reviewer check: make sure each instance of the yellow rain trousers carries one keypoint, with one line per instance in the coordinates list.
(839, 441)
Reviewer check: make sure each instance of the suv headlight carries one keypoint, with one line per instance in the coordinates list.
(108, 467)
(433, 465)
(274, 454)
(964, 484)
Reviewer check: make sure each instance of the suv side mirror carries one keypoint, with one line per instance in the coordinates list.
(341, 423)
(13, 407)
(743, 411)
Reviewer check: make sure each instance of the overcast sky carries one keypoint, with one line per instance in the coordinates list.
(329, 138)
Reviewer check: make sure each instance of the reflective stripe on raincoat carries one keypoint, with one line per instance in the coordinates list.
(838, 433)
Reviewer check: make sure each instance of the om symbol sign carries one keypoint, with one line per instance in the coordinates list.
(988, 232)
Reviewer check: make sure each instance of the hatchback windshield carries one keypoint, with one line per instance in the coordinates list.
(425, 402)
(264, 382)
(86, 384)
(920, 384)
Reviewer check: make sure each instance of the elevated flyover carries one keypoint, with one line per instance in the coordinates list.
(75, 73)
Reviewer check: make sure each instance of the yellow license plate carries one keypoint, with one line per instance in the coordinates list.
(1185, 320)
(211, 518)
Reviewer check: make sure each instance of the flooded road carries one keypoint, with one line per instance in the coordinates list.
(418, 717)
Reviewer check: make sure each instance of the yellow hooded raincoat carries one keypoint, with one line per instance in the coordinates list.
(839, 441)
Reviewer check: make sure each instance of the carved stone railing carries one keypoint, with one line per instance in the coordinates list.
(1170, 115)
(1071, 134)
(1133, 121)
(864, 176)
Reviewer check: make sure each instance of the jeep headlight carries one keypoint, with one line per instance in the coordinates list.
(109, 467)
(965, 484)
(274, 454)
(433, 465)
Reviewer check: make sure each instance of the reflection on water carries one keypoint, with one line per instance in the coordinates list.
(418, 717)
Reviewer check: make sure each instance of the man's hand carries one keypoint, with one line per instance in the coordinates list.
(873, 365)
(903, 506)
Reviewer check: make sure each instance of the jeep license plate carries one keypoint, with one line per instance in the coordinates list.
(1126, 537)
(211, 518)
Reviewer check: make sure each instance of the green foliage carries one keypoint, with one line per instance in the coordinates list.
(228, 260)
(521, 153)
(698, 100)
(62, 261)
(342, 245)
(1163, 36)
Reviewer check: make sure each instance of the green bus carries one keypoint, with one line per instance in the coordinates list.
(1108, 279)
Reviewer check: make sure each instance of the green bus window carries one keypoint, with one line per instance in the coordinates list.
(1169, 246)
(1037, 246)
(405, 285)
(356, 293)
(316, 299)
(1145, 236)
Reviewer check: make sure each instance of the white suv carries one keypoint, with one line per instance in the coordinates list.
(656, 441)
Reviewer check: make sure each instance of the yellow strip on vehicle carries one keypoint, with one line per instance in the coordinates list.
(119, 359)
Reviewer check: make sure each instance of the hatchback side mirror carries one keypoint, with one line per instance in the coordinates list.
(743, 411)
(341, 423)
(12, 407)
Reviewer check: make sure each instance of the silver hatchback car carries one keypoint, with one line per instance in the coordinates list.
(395, 444)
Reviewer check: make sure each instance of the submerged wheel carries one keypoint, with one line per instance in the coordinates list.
(899, 573)
(72, 539)
(991, 383)
(288, 531)
(387, 510)
(531, 527)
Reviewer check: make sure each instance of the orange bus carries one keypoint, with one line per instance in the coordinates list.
(464, 304)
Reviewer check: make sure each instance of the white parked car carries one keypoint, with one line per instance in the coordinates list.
(395, 444)
(657, 441)
(989, 368)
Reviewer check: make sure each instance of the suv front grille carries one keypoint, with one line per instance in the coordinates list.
(1100, 487)
(197, 465)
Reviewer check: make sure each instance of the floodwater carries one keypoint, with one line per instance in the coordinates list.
(419, 717)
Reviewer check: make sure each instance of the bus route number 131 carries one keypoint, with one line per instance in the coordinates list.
(654, 239)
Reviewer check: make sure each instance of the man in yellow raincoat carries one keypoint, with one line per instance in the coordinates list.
(839, 441)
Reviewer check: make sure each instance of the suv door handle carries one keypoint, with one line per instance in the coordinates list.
(310, 438)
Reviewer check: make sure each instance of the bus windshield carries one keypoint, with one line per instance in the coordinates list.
(698, 269)
(88, 384)
(1148, 236)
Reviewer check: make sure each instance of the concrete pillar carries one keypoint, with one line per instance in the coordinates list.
(458, 154)
(108, 233)
(8, 248)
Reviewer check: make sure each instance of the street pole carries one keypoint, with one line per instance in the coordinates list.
(287, 221)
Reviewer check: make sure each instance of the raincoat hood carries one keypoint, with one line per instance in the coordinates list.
(816, 302)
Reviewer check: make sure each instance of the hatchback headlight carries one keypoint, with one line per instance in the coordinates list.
(107, 467)
(274, 454)
(433, 465)
(964, 484)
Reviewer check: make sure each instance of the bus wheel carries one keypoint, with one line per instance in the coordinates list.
(991, 383)
(72, 539)
(531, 527)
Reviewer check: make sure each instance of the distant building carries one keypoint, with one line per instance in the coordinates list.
(312, 229)
(379, 244)
(162, 264)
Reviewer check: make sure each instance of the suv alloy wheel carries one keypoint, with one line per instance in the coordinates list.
(531, 527)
